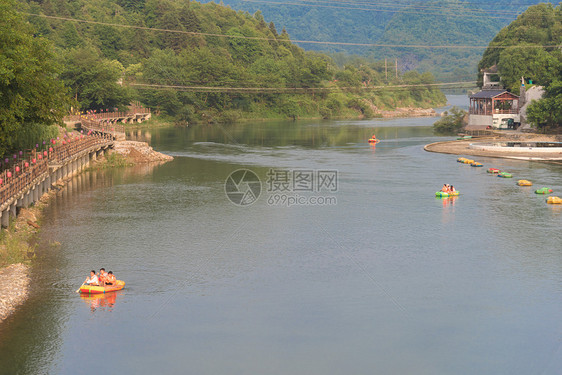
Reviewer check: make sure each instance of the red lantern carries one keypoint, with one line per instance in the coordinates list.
(50, 149)
(26, 164)
(1, 181)
(9, 174)
(40, 156)
(17, 168)
(63, 142)
(46, 153)
(34, 160)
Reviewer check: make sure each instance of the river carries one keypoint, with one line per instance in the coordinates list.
(345, 263)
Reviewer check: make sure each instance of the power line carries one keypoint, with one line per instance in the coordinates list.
(299, 89)
(397, 6)
(417, 3)
(458, 13)
(450, 6)
(381, 45)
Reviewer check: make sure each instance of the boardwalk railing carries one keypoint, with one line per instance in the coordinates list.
(22, 174)
(108, 122)
(30, 175)
(103, 126)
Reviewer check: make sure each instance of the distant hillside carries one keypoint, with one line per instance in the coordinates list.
(435, 22)
(207, 62)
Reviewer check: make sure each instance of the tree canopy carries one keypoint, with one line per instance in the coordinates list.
(31, 93)
(529, 47)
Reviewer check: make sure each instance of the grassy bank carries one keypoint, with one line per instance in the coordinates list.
(16, 241)
(112, 160)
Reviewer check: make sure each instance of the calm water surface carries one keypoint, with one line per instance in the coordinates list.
(388, 280)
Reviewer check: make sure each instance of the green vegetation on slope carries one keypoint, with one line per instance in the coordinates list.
(106, 66)
(530, 48)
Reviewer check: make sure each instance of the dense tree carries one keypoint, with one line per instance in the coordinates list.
(451, 122)
(93, 80)
(548, 111)
(31, 95)
(529, 48)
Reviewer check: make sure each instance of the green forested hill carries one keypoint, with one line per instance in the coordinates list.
(106, 66)
(529, 47)
(433, 22)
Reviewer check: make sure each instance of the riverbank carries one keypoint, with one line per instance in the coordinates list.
(462, 147)
(161, 121)
(14, 292)
(16, 249)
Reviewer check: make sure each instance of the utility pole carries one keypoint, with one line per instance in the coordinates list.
(396, 65)
(385, 69)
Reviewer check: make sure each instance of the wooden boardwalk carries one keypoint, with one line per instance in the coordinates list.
(29, 177)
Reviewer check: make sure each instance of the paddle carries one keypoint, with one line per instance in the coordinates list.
(77, 291)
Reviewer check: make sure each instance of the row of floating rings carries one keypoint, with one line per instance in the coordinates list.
(544, 190)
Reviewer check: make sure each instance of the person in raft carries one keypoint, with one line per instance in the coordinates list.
(445, 189)
(92, 279)
(102, 276)
(452, 189)
(110, 279)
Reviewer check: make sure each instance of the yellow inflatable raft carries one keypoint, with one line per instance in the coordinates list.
(524, 183)
(91, 289)
(554, 200)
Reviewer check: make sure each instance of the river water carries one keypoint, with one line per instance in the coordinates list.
(368, 273)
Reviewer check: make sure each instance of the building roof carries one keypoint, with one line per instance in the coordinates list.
(487, 94)
(493, 69)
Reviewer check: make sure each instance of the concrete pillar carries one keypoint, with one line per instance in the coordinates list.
(5, 219)
(37, 192)
(13, 210)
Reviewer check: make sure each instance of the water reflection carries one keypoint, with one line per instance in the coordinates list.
(310, 134)
(448, 201)
(102, 301)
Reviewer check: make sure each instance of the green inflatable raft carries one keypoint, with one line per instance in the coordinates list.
(442, 194)
(543, 190)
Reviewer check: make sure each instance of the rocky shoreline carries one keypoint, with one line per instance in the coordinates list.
(14, 279)
(13, 288)
(139, 152)
(408, 112)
